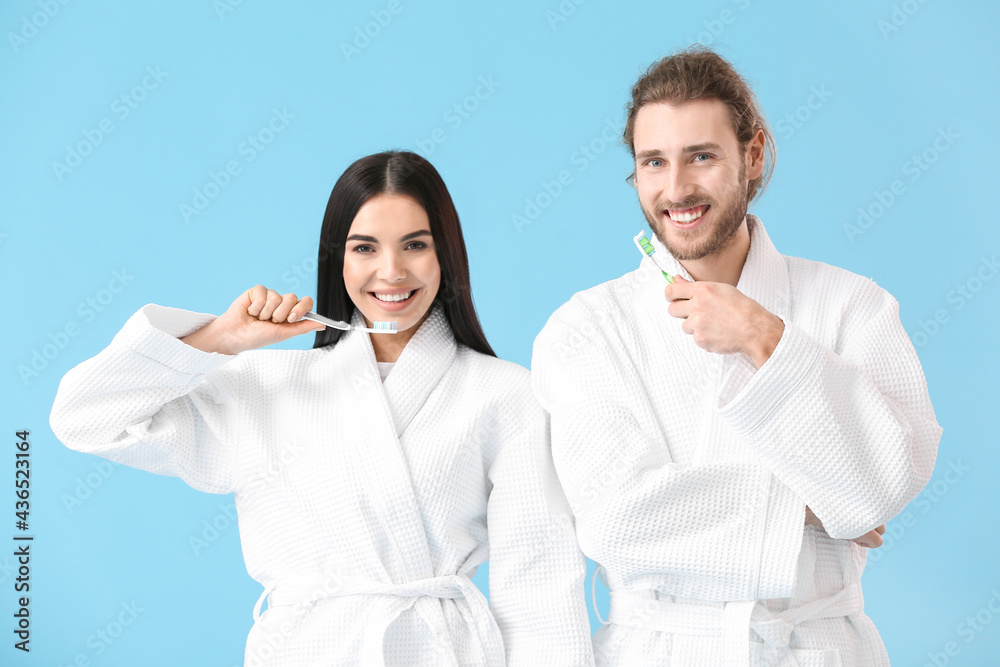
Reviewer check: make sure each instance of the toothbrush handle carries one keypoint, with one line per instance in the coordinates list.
(336, 324)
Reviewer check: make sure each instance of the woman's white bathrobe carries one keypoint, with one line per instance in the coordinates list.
(363, 507)
(689, 472)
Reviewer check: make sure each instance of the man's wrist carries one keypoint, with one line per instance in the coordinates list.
(766, 341)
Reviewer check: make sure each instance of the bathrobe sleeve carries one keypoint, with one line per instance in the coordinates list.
(152, 402)
(851, 430)
(716, 531)
(537, 571)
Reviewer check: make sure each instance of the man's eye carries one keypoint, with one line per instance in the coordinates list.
(702, 155)
(655, 162)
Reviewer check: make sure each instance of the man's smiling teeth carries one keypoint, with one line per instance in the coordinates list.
(393, 297)
(689, 216)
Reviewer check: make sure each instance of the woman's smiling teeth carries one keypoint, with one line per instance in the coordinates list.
(688, 215)
(393, 297)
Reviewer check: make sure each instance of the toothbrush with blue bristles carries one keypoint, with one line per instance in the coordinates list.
(646, 248)
(377, 327)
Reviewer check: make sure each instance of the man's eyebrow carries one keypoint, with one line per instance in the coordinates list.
(703, 146)
(694, 148)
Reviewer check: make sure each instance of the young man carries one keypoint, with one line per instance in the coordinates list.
(729, 443)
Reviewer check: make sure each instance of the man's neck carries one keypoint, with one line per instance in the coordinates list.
(726, 265)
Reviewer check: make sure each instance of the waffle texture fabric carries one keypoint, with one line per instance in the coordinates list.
(364, 507)
(689, 472)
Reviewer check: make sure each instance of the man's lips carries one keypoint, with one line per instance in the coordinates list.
(687, 215)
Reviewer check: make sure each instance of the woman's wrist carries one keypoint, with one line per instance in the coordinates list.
(209, 339)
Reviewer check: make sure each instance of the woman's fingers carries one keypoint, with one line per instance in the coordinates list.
(300, 309)
(258, 299)
(272, 303)
(281, 313)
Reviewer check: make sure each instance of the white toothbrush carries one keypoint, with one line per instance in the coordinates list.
(380, 327)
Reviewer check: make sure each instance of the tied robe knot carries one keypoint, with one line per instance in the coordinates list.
(394, 600)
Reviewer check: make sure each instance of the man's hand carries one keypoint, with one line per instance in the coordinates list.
(872, 539)
(724, 320)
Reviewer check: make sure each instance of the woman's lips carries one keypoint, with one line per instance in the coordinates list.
(393, 306)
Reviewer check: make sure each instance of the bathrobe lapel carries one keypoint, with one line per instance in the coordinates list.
(765, 280)
(385, 410)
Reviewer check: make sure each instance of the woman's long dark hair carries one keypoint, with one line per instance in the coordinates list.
(398, 173)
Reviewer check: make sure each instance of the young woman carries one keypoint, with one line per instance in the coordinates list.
(373, 473)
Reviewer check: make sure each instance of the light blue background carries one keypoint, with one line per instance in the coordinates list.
(886, 95)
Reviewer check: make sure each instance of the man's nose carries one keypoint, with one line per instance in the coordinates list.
(678, 184)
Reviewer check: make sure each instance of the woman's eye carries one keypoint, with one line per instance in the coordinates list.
(363, 249)
(416, 245)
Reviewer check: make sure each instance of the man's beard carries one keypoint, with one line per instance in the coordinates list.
(728, 222)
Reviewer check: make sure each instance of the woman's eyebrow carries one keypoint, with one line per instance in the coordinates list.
(413, 235)
(359, 237)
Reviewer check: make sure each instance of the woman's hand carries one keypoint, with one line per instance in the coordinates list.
(259, 317)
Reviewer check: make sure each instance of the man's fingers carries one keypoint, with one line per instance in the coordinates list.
(679, 290)
(872, 539)
(679, 308)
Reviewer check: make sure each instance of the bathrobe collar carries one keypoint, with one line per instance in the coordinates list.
(421, 365)
(765, 274)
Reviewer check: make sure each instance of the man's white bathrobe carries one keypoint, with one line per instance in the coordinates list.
(689, 472)
(363, 507)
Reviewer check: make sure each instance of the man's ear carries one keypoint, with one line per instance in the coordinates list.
(753, 154)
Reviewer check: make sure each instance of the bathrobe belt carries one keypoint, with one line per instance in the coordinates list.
(306, 590)
(731, 623)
